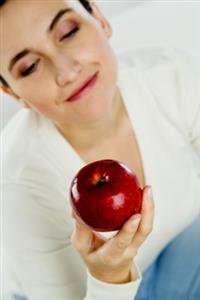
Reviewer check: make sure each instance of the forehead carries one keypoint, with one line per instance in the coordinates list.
(23, 22)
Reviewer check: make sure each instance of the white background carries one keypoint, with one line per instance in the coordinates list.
(143, 22)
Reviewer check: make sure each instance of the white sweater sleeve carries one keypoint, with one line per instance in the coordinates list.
(36, 235)
(174, 81)
(175, 84)
(188, 80)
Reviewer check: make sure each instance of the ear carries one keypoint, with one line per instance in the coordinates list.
(5, 89)
(97, 14)
(8, 91)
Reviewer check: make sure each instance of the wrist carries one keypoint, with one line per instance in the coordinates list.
(131, 273)
(115, 277)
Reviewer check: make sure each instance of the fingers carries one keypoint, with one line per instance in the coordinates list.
(118, 244)
(81, 237)
(128, 239)
(147, 214)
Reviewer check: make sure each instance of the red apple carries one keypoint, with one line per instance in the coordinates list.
(104, 194)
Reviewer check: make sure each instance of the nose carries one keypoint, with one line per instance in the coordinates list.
(67, 71)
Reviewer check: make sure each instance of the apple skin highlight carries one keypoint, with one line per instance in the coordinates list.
(104, 194)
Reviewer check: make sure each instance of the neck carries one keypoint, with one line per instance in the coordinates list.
(86, 136)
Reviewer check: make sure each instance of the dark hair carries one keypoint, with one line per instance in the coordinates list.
(85, 4)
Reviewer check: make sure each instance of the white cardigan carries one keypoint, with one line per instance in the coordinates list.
(161, 90)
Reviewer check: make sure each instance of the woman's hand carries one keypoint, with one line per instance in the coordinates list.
(111, 260)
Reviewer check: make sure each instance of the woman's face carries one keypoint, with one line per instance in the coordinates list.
(56, 63)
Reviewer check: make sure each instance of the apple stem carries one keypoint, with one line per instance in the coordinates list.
(98, 179)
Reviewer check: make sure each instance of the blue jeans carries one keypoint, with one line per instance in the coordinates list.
(175, 274)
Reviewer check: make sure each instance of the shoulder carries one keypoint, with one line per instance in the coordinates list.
(17, 138)
(169, 80)
(149, 56)
(23, 154)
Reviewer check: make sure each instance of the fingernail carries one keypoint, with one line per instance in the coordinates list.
(135, 221)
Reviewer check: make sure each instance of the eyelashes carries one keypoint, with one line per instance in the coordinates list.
(30, 69)
(70, 34)
(33, 67)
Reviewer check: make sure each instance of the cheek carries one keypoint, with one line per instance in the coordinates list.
(99, 51)
(109, 64)
(102, 56)
(38, 96)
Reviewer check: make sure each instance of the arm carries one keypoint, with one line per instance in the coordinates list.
(37, 237)
(188, 81)
(37, 230)
(174, 82)
(110, 263)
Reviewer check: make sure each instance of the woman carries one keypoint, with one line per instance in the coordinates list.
(51, 49)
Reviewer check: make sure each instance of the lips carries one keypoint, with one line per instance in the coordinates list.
(83, 88)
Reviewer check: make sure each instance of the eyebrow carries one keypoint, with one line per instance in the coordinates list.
(53, 23)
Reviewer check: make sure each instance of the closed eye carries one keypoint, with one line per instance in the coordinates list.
(30, 70)
(70, 34)
(33, 67)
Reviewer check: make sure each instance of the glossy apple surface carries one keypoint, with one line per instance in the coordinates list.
(104, 194)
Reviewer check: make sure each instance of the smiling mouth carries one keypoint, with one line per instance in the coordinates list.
(84, 88)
